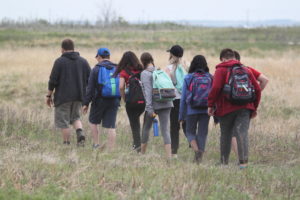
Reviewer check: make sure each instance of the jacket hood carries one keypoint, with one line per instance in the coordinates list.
(71, 55)
(150, 68)
(107, 64)
(228, 63)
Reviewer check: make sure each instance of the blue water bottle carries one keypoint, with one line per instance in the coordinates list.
(155, 127)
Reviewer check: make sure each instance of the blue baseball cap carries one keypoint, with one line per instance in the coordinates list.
(103, 52)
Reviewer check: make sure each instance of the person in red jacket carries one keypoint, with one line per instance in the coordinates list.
(234, 119)
(262, 81)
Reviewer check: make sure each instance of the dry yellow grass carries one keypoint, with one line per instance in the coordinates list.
(273, 136)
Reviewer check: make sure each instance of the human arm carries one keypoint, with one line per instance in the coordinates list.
(91, 87)
(53, 82)
(183, 105)
(49, 100)
(257, 93)
(216, 90)
(122, 87)
(263, 81)
(146, 80)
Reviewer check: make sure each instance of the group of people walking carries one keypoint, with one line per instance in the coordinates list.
(176, 97)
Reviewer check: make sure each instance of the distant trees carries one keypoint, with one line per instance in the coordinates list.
(108, 17)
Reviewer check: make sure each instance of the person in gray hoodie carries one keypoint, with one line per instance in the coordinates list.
(153, 108)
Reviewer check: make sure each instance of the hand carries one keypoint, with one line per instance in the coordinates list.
(253, 114)
(49, 102)
(151, 114)
(210, 111)
(85, 109)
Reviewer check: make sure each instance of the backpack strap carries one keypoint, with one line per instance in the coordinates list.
(129, 72)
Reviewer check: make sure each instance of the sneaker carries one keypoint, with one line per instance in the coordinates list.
(80, 139)
(100, 147)
(174, 156)
(137, 149)
(198, 156)
(96, 146)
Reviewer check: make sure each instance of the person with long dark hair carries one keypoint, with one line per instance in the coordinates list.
(196, 86)
(129, 66)
(153, 108)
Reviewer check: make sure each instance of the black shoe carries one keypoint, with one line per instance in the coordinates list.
(67, 142)
(198, 157)
(136, 148)
(80, 139)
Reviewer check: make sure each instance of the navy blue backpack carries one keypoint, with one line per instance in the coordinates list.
(198, 90)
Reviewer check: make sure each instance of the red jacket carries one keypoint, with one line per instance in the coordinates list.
(216, 97)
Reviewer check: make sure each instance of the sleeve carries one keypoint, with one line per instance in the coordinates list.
(255, 72)
(217, 86)
(92, 84)
(54, 76)
(183, 105)
(147, 87)
(88, 68)
(257, 90)
(125, 75)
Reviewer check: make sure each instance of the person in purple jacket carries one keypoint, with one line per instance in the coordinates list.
(196, 116)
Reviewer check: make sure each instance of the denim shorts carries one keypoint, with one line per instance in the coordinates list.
(104, 110)
(67, 113)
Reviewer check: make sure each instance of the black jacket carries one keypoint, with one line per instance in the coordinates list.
(69, 78)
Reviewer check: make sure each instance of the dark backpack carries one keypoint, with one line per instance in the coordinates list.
(109, 85)
(135, 95)
(238, 87)
(198, 89)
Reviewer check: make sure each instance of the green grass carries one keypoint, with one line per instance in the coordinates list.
(35, 165)
(197, 38)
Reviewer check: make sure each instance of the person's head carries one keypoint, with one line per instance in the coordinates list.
(198, 64)
(176, 53)
(129, 61)
(227, 54)
(237, 55)
(67, 45)
(146, 59)
(102, 54)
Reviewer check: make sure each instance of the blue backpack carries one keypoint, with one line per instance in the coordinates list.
(198, 90)
(109, 84)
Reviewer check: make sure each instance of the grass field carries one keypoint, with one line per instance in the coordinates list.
(34, 164)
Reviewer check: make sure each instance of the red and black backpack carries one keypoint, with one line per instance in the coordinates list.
(135, 95)
(238, 87)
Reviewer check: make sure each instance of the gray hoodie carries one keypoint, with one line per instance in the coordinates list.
(147, 81)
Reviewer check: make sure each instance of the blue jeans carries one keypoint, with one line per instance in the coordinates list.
(197, 133)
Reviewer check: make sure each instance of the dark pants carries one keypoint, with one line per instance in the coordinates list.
(134, 112)
(235, 123)
(197, 129)
(175, 126)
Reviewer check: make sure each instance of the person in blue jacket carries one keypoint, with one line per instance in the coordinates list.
(196, 118)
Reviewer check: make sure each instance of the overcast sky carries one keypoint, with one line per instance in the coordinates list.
(150, 10)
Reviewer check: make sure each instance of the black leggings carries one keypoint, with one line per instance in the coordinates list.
(175, 126)
(134, 112)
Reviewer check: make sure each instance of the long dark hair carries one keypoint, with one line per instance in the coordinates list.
(129, 61)
(198, 64)
(146, 59)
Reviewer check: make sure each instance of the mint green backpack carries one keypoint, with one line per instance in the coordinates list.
(180, 74)
(163, 88)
